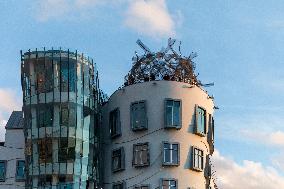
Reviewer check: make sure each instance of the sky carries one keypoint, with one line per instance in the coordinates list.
(239, 45)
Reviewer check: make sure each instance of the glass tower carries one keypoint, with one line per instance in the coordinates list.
(61, 105)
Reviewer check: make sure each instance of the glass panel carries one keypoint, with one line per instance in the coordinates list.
(176, 116)
(2, 170)
(45, 151)
(64, 76)
(45, 116)
(169, 113)
(20, 172)
(201, 121)
(138, 115)
(116, 159)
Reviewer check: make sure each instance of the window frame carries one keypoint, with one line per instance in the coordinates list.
(119, 183)
(197, 132)
(140, 128)
(5, 170)
(140, 186)
(178, 154)
(165, 113)
(121, 158)
(116, 112)
(168, 179)
(148, 155)
(194, 167)
(17, 166)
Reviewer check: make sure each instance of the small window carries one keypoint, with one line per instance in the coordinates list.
(172, 113)
(210, 128)
(143, 186)
(2, 170)
(45, 151)
(198, 159)
(118, 160)
(66, 151)
(20, 170)
(138, 116)
(119, 185)
(45, 116)
(68, 115)
(169, 184)
(200, 121)
(171, 153)
(141, 155)
(114, 123)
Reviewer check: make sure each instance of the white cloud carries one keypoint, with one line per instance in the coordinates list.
(151, 18)
(270, 138)
(249, 175)
(9, 102)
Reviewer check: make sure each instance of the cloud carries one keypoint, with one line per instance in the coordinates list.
(9, 102)
(151, 18)
(270, 138)
(249, 175)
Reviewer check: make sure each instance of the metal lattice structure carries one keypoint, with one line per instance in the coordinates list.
(166, 64)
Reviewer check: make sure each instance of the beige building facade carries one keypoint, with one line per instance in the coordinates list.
(161, 135)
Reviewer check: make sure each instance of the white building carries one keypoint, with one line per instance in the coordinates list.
(12, 158)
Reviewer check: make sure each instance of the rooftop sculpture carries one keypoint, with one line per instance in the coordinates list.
(166, 64)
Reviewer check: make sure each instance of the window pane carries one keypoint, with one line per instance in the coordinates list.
(169, 115)
(138, 115)
(20, 172)
(201, 120)
(174, 156)
(176, 113)
(2, 170)
(64, 76)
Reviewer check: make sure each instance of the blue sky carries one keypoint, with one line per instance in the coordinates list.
(240, 48)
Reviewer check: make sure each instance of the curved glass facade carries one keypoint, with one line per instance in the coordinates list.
(61, 105)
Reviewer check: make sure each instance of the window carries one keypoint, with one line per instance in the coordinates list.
(119, 185)
(44, 76)
(198, 159)
(65, 182)
(45, 151)
(2, 170)
(200, 117)
(138, 116)
(66, 149)
(45, 181)
(169, 184)
(210, 129)
(143, 186)
(141, 156)
(118, 160)
(20, 170)
(67, 76)
(170, 153)
(114, 123)
(172, 113)
(45, 116)
(68, 115)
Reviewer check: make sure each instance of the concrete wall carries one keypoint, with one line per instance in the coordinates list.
(155, 93)
(12, 151)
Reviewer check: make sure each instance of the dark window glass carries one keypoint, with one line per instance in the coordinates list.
(66, 149)
(173, 113)
(201, 121)
(45, 150)
(44, 76)
(45, 181)
(20, 170)
(142, 187)
(114, 121)
(141, 155)
(68, 116)
(138, 115)
(27, 85)
(118, 159)
(64, 76)
(2, 170)
(169, 184)
(171, 153)
(119, 185)
(45, 116)
(65, 182)
(198, 159)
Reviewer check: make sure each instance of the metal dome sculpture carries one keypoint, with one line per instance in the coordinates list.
(166, 64)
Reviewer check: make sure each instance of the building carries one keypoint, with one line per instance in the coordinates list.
(61, 100)
(160, 126)
(12, 157)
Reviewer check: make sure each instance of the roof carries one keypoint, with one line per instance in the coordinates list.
(15, 121)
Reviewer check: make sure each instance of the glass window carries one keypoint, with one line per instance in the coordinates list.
(169, 184)
(171, 153)
(2, 170)
(45, 150)
(64, 76)
(144, 186)
(45, 180)
(118, 159)
(141, 154)
(211, 128)
(66, 149)
(65, 182)
(138, 115)
(45, 116)
(200, 121)
(68, 116)
(119, 185)
(40, 76)
(114, 121)
(20, 170)
(173, 113)
(198, 159)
